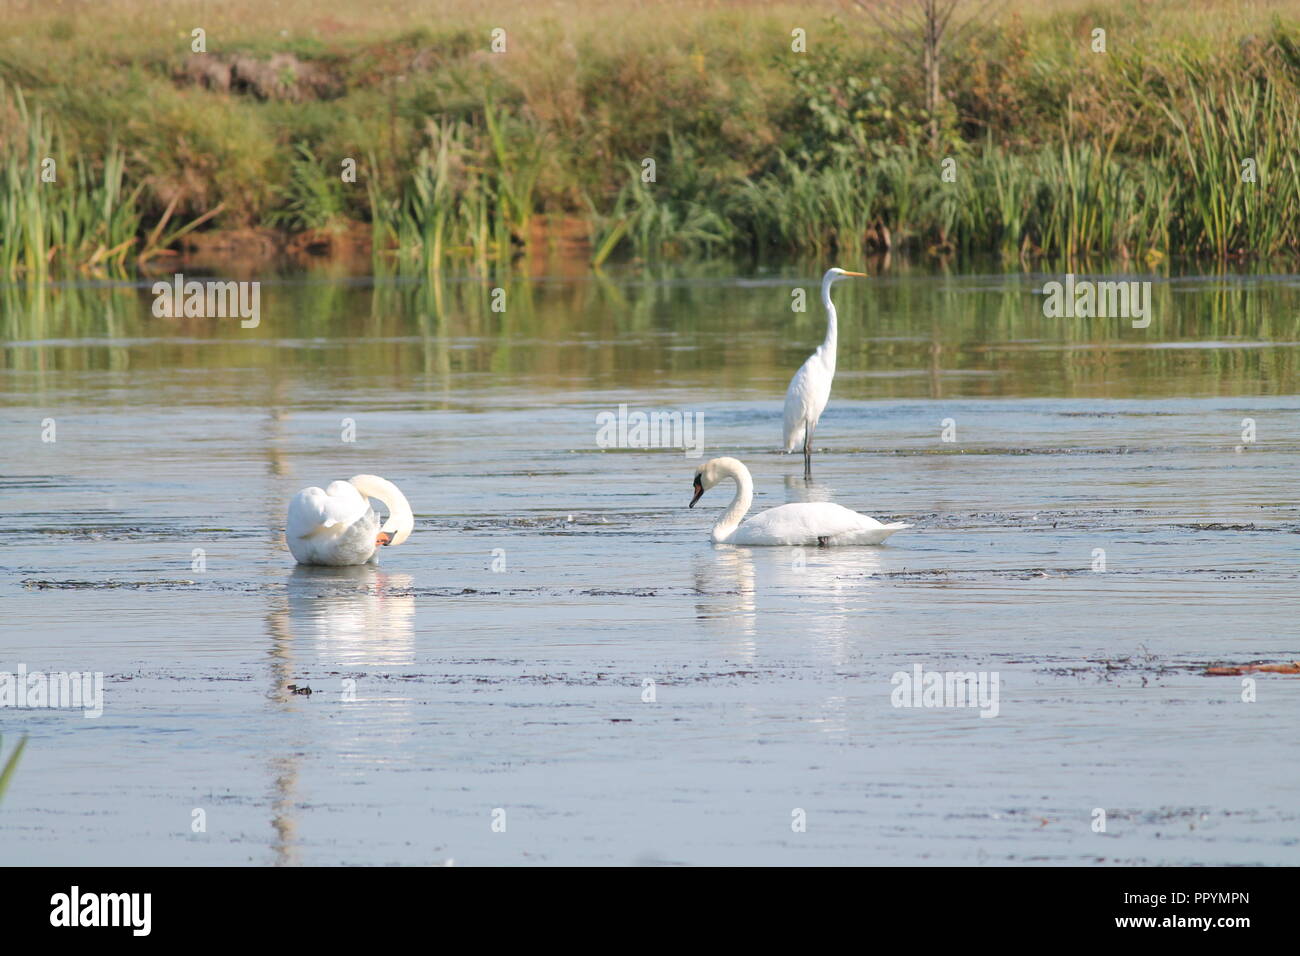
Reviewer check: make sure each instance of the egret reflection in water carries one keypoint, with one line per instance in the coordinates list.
(799, 489)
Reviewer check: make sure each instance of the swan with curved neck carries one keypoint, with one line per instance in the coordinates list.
(801, 523)
(337, 526)
(810, 389)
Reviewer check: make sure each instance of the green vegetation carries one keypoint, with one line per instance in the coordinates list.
(1145, 151)
(10, 765)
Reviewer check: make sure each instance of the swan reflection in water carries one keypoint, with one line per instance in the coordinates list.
(360, 616)
(351, 618)
(725, 596)
(822, 592)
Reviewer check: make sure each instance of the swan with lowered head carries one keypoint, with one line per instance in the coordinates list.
(810, 389)
(801, 523)
(337, 526)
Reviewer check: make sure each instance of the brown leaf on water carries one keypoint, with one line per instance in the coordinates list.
(1290, 668)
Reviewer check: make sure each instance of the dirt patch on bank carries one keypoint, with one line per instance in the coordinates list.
(280, 76)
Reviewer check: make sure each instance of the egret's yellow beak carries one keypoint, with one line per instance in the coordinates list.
(857, 275)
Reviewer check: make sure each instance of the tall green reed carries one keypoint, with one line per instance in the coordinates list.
(57, 212)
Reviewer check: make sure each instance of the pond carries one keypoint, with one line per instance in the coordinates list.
(558, 667)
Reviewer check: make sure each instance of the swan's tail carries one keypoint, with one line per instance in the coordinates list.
(885, 530)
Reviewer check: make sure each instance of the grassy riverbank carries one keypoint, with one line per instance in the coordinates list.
(462, 152)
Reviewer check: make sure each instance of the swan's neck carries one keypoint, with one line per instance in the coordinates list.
(401, 520)
(739, 506)
(832, 324)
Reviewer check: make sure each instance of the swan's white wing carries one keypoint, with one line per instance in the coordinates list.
(807, 523)
(313, 509)
(805, 399)
(335, 526)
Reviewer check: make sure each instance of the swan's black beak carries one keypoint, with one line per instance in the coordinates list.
(699, 490)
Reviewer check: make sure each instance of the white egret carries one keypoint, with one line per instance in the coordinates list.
(810, 389)
(801, 523)
(337, 526)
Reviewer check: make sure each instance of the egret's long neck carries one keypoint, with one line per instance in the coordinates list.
(739, 506)
(832, 324)
(401, 520)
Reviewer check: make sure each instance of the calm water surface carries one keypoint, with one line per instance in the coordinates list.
(500, 657)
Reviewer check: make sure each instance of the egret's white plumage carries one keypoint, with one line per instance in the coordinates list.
(337, 525)
(810, 389)
(801, 523)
